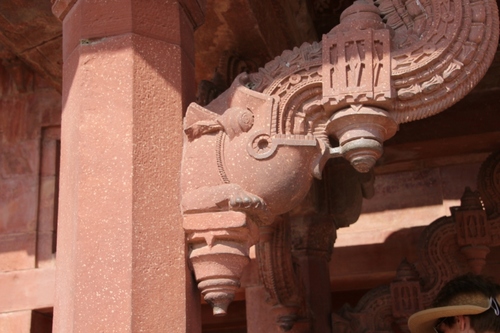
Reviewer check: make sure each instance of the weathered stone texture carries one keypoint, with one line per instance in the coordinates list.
(48, 190)
(18, 201)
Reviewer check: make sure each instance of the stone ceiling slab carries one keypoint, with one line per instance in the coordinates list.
(30, 31)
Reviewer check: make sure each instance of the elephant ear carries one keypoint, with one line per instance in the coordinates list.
(440, 51)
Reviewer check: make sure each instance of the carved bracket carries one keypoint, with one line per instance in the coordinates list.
(257, 147)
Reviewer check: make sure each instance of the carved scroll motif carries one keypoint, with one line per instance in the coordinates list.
(439, 50)
(437, 47)
(380, 309)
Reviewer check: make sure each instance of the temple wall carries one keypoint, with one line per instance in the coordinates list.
(29, 133)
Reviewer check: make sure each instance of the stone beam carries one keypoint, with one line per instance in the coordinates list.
(27, 289)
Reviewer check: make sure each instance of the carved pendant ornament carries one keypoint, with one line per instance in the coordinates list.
(250, 155)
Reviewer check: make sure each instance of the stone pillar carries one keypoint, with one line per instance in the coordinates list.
(313, 239)
(259, 312)
(121, 252)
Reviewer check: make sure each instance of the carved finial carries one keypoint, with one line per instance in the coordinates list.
(476, 257)
(406, 272)
(473, 230)
(219, 263)
(360, 132)
(470, 200)
(219, 293)
(362, 14)
(286, 323)
(405, 291)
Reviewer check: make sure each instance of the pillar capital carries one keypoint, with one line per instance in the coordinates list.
(194, 9)
(86, 22)
(60, 8)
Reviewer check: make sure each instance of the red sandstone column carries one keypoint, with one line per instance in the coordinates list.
(121, 256)
(317, 234)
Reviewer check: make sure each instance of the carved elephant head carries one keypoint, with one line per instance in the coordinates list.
(257, 147)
